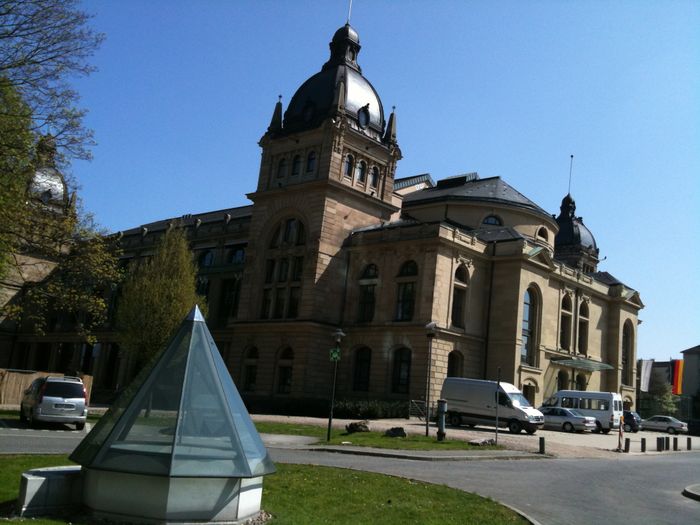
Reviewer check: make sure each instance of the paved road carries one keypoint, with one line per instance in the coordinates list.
(621, 489)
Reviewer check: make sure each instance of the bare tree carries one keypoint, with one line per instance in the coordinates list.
(44, 43)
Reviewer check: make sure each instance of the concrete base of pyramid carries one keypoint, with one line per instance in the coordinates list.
(156, 499)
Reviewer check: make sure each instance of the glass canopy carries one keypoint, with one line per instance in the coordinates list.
(182, 416)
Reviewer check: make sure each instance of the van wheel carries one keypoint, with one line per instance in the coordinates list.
(606, 431)
(568, 427)
(514, 426)
(454, 419)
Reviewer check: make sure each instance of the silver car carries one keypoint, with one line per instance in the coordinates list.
(566, 419)
(55, 400)
(665, 424)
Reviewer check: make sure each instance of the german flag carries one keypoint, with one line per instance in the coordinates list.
(677, 376)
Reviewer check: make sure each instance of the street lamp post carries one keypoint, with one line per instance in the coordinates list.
(430, 333)
(335, 357)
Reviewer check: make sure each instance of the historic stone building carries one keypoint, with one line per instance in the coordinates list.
(333, 240)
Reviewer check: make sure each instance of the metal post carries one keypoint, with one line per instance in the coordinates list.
(335, 357)
(442, 408)
(667, 443)
(644, 444)
(675, 444)
(659, 444)
(498, 389)
(541, 445)
(430, 327)
(689, 443)
(627, 444)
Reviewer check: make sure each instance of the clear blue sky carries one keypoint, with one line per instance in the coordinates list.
(185, 90)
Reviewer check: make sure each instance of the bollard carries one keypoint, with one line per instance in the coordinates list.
(644, 444)
(667, 443)
(541, 445)
(659, 444)
(441, 410)
(627, 444)
(675, 444)
(689, 443)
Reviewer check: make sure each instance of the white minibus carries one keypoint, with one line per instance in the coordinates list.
(605, 407)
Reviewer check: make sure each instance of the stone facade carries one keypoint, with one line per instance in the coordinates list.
(329, 243)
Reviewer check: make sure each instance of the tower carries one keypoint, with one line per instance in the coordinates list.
(327, 167)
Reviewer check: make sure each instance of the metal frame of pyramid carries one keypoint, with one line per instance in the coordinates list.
(182, 417)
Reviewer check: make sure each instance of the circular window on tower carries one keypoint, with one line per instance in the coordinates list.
(363, 116)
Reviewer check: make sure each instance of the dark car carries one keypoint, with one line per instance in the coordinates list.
(632, 421)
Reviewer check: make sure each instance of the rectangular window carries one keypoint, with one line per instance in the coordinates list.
(284, 380)
(251, 376)
(293, 305)
(458, 299)
(405, 301)
(266, 303)
(297, 268)
(280, 301)
(269, 271)
(367, 301)
(283, 270)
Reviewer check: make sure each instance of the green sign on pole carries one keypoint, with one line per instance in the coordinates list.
(335, 354)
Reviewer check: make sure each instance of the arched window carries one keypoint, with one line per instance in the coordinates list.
(565, 328)
(282, 169)
(361, 172)
(368, 289)
(235, 255)
(250, 370)
(562, 381)
(284, 265)
(361, 369)
(284, 371)
(455, 364)
(583, 328)
(349, 166)
(311, 162)
(627, 355)
(206, 258)
(530, 391)
(492, 220)
(374, 177)
(529, 328)
(542, 234)
(406, 291)
(459, 297)
(401, 371)
(296, 166)
(581, 382)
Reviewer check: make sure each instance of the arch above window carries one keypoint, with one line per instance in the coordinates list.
(543, 234)
(206, 258)
(408, 269)
(461, 275)
(370, 272)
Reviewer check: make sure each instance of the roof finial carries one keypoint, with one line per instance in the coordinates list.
(349, 12)
(571, 167)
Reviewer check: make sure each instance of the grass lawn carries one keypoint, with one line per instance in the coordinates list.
(309, 494)
(367, 439)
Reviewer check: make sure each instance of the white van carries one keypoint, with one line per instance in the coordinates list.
(473, 402)
(605, 407)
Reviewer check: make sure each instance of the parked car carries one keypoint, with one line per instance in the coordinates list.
(632, 421)
(55, 400)
(665, 424)
(567, 419)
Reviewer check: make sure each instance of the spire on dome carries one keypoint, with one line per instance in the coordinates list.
(276, 121)
(390, 134)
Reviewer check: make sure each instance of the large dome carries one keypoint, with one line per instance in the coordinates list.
(340, 82)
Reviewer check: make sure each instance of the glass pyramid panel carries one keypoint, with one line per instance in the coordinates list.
(184, 417)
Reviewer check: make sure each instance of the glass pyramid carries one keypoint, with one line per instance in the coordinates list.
(181, 417)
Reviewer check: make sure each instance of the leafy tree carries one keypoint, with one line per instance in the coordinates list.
(661, 398)
(43, 43)
(156, 296)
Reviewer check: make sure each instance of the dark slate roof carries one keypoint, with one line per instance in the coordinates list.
(471, 188)
(190, 219)
(693, 350)
(497, 234)
(606, 278)
(404, 182)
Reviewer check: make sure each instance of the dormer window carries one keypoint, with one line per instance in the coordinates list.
(361, 172)
(542, 234)
(492, 220)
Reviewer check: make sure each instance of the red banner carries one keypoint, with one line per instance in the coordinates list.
(677, 376)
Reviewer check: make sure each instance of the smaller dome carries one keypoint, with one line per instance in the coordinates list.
(345, 33)
(574, 244)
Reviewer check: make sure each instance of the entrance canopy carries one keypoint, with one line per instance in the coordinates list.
(582, 364)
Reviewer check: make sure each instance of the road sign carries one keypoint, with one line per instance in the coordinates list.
(335, 354)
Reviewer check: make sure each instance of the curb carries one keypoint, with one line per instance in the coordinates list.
(692, 492)
(393, 454)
